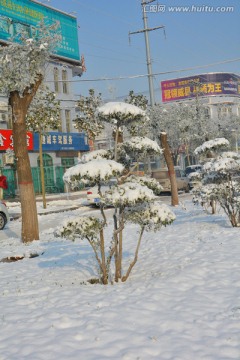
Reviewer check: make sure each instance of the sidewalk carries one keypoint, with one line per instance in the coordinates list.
(56, 203)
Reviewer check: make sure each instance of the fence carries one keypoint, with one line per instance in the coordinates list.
(53, 177)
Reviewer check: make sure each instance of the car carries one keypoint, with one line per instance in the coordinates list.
(162, 176)
(4, 215)
(193, 172)
(193, 168)
(93, 197)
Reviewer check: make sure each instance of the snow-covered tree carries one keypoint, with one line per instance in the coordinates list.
(22, 69)
(119, 115)
(43, 114)
(138, 100)
(221, 179)
(185, 124)
(87, 120)
(133, 199)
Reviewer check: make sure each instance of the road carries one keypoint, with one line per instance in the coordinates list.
(49, 221)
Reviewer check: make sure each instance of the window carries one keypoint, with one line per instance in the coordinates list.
(207, 112)
(224, 111)
(68, 120)
(56, 79)
(60, 121)
(67, 162)
(64, 79)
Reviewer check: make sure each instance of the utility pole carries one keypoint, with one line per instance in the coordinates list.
(148, 56)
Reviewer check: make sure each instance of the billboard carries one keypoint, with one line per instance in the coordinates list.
(203, 85)
(57, 141)
(16, 15)
(6, 140)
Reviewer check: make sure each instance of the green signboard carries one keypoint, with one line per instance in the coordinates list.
(16, 15)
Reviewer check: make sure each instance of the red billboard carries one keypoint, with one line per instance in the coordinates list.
(203, 85)
(6, 140)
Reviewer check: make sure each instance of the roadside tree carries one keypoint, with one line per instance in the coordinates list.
(22, 69)
(43, 114)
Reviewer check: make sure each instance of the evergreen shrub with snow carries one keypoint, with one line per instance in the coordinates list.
(133, 199)
(220, 179)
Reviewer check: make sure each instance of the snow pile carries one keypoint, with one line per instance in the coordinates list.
(181, 302)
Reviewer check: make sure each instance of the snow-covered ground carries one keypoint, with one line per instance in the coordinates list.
(181, 302)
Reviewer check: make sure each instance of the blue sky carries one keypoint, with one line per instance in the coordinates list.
(192, 39)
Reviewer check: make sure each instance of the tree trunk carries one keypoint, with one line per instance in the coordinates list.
(20, 106)
(171, 170)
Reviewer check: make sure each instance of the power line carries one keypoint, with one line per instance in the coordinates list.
(155, 74)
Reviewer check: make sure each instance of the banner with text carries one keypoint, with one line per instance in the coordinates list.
(202, 85)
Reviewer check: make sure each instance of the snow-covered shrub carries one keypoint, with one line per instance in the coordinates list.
(142, 145)
(96, 155)
(82, 227)
(133, 199)
(217, 144)
(221, 182)
(151, 183)
(151, 216)
(94, 171)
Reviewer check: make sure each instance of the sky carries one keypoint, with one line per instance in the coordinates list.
(195, 38)
(181, 301)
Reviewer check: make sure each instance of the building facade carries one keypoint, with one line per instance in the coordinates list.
(61, 148)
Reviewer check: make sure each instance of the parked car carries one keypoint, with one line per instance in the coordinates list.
(4, 216)
(162, 176)
(193, 168)
(193, 180)
(93, 197)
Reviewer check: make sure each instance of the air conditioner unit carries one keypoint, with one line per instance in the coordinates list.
(8, 159)
(3, 118)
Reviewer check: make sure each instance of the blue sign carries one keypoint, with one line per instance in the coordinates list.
(57, 141)
(17, 15)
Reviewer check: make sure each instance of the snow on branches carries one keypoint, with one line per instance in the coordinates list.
(133, 198)
(120, 113)
(96, 155)
(152, 216)
(221, 181)
(24, 61)
(142, 145)
(94, 171)
(128, 194)
(217, 144)
(82, 228)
